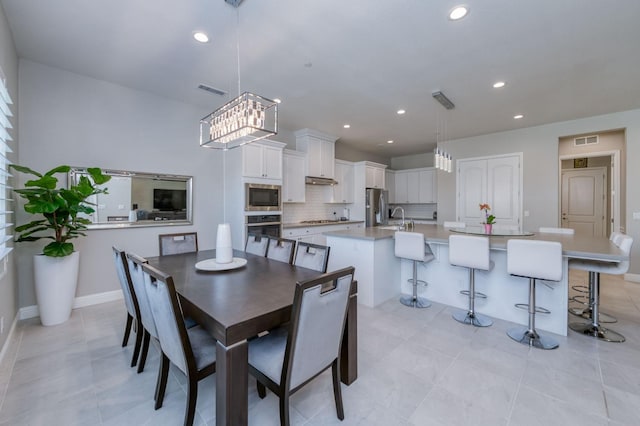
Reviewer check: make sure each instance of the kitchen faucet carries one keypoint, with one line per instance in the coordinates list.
(402, 210)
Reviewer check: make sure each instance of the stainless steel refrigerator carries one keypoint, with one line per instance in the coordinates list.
(376, 207)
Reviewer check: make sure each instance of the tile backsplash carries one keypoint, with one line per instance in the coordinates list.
(416, 211)
(313, 208)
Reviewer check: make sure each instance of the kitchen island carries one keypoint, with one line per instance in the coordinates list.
(381, 276)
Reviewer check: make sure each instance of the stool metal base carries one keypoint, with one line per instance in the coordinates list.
(473, 318)
(415, 302)
(587, 313)
(532, 338)
(597, 331)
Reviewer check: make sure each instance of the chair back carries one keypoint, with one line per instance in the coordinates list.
(168, 318)
(312, 256)
(535, 259)
(615, 237)
(469, 251)
(281, 249)
(563, 231)
(130, 300)
(448, 224)
(257, 244)
(317, 323)
(137, 279)
(624, 243)
(410, 245)
(185, 242)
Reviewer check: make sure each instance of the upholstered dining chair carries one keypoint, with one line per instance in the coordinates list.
(288, 358)
(312, 256)
(192, 350)
(281, 249)
(131, 303)
(257, 244)
(135, 263)
(185, 242)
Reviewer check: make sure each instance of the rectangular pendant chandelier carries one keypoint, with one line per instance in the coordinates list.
(243, 120)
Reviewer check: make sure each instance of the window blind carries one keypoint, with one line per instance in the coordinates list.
(6, 202)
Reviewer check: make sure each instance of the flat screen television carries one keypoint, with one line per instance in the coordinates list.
(169, 199)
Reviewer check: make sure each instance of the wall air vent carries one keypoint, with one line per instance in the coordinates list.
(212, 90)
(585, 140)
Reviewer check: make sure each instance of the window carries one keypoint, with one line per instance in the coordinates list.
(6, 233)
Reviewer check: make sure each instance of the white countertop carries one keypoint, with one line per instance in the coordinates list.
(330, 223)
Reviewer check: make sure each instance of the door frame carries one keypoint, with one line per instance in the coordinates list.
(613, 186)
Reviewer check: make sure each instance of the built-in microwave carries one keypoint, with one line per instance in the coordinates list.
(260, 197)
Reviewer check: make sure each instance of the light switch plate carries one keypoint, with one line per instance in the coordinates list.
(636, 215)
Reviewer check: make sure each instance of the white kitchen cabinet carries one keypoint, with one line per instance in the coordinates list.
(262, 160)
(293, 184)
(390, 183)
(374, 176)
(493, 180)
(314, 234)
(343, 191)
(415, 186)
(320, 149)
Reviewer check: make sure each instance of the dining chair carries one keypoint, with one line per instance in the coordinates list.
(192, 351)
(257, 244)
(185, 242)
(312, 256)
(288, 358)
(281, 249)
(131, 303)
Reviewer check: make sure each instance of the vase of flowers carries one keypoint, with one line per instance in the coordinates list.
(489, 219)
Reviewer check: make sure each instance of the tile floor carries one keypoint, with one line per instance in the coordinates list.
(417, 367)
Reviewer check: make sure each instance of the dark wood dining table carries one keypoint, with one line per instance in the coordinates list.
(236, 305)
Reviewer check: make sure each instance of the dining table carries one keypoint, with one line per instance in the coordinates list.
(237, 303)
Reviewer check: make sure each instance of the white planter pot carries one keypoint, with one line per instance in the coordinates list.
(56, 279)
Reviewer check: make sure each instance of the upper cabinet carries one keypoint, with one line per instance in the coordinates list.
(343, 191)
(390, 183)
(262, 160)
(415, 186)
(293, 185)
(320, 149)
(374, 175)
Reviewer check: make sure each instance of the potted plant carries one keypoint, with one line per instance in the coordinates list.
(489, 218)
(60, 219)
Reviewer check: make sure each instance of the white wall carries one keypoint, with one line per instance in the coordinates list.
(540, 147)
(71, 119)
(412, 161)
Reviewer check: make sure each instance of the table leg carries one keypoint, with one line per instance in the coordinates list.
(231, 384)
(349, 351)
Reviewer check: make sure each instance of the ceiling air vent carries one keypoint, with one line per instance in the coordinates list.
(212, 90)
(585, 140)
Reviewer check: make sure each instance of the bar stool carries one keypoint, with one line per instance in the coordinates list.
(586, 298)
(536, 260)
(411, 245)
(593, 328)
(470, 252)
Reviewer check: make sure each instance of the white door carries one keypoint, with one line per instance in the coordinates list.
(583, 200)
(496, 181)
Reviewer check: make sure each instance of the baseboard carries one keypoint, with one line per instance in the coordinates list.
(634, 278)
(79, 302)
(7, 342)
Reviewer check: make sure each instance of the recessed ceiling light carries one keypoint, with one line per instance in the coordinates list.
(201, 37)
(277, 100)
(499, 84)
(389, 141)
(401, 111)
(458, 12)
(518, 116)
(347, 126)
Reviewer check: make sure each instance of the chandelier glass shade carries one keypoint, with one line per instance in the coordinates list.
(245, 119)
(442, 160)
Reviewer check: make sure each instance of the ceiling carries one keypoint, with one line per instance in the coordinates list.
(357, 62)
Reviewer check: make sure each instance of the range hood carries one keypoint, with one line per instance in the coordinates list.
(312, 180)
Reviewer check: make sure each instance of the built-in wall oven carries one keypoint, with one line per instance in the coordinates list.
(268, 225)
(260, 197)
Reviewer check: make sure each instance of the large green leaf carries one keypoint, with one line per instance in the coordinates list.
(47, 182)
(56, 249)
(24, 169)
(59, 169)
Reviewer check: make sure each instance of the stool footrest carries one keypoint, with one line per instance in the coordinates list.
(477, 294)
(587, 314)
(539, 309)
(580, 288)
(420, 282)
(583, 299)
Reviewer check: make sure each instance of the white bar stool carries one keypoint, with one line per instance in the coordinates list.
(470, 252)
(593, 328)
(586, 298)
(536, 260)
(411, 245)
